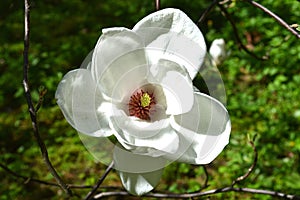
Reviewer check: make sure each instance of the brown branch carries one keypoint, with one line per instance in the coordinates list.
(236, 34)
(206, 177)
(243, 177)
(273, 15)
(201, 194)
(25, 178)
(42, 93)
(157, 4)
(94, 190)
(214, 191)
(32, 110)
(29, 179)
(206, 12)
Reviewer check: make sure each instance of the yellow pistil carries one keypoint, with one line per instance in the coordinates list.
(140, 104)
(145, 100)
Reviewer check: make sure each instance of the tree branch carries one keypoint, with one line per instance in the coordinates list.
(214, 191)
(157, 4)
(205, 193)
(206, 177)
(29, 179)
(32, 110)
(25, 178)
(157, 195)
(206, 12)
(93, 191)
(236, 34)
(42, 93)
(273, 15)
(241, 178)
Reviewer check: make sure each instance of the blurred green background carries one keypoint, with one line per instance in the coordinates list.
(263, 97)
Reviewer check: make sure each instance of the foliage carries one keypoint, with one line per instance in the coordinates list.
(263, 96)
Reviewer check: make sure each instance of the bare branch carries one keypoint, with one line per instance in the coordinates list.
(157, 5)
(29, 179)
(236, 34)
(93, 191)
(277, 18)
(157, 195)
(25, 178)
(42, 93)
(205, 193)
(206, 12)
(32, 110)
(214, 191)
(241, 178)
(206, 177)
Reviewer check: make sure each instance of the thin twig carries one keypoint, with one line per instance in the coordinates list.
(225, 2)
(157, 5)
(206, 177)
(205, 193)
(29, 179)
(236, 34)
(207, 11)
(243, 177)
(32, 110)
(277, 18)
(93, 191)
(214, 191)
(42, 93)
(25, 178)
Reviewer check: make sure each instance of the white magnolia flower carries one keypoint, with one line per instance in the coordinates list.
(217, 51)
(136, 86)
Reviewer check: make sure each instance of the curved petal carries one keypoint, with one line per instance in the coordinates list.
(156, 146)
(173, 32)
(139, 184)
(124, 75)
(78, 99)
(176, 84)
(204, 131)
(139, 174)
(101, 148)
(147, 138)
(113, 43)
(127, 161)
(87, 62)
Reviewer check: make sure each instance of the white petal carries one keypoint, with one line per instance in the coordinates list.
(78, 99)
(213, 80)
(87, 62)
(139, 174)
(101, 148)
(127, 161)
(139, 184)
(176, 84)
(133, 133)
(113, 43)
(124, 75)
(175, 36)
(204, 131)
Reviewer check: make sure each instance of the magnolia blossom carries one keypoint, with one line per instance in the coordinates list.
(217, 51)
(136, 89)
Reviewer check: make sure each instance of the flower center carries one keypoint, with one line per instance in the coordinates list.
(140, 104)
(145, 100)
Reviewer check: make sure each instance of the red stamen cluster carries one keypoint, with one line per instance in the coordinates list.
(135, 106)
